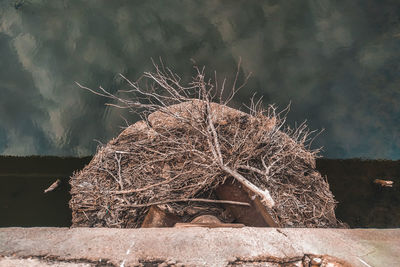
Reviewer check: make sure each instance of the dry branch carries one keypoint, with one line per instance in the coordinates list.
(190, 200)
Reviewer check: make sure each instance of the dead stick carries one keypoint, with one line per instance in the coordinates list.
(53, 186)
(188, 200)
(264, 195)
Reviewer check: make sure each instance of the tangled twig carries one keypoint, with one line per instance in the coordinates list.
(187, 145)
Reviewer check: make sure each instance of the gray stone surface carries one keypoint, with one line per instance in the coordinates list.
(195, 246)
(32, 262)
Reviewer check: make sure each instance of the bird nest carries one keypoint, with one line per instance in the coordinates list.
(185, 147)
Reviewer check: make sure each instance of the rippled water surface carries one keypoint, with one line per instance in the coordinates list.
(336, 61)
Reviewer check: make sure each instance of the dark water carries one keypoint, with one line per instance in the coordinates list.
(337, 61)
(361, 202)
(22, 182)
(23, 203)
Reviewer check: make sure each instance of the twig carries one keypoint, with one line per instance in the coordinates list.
(264, 195)
(118, 158)
(189, 200)
(136, 190)
(53, 186)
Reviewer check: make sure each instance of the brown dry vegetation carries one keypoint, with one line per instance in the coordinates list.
(187, 145)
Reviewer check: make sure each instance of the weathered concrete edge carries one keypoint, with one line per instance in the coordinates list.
(201, 246)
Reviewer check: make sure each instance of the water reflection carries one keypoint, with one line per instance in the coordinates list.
(336, 61)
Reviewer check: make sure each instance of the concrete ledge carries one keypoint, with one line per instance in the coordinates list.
(195, 246)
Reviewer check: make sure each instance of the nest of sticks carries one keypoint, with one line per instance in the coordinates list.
(186, 146)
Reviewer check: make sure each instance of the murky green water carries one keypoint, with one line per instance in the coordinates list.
(336, 61)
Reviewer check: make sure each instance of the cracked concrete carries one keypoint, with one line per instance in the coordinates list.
(194, 246)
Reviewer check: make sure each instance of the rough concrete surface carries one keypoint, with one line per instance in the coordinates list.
(195, 246)
(32, 262)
